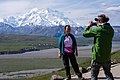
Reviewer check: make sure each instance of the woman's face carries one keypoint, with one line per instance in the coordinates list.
(67, 30)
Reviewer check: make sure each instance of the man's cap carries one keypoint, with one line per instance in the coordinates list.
(106, 18)
(102, 15)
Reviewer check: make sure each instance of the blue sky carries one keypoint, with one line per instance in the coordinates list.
(80, 11)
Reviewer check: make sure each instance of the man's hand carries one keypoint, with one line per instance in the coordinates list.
(90, 23)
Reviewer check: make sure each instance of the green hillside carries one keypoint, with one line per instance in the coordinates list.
(16, 42)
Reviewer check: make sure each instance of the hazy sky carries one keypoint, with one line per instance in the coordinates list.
(78, 10)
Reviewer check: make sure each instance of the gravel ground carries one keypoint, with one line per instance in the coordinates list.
(115, 69)
(26, 73)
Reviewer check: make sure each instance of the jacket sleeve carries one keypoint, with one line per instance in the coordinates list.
(60, 42)
(90, 32)
(75, 41)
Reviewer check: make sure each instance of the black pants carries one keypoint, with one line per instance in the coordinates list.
(71, 57)
(106, 67)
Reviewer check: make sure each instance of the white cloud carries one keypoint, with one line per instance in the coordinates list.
(17, 7)
(13, 7)
(113, 8)
(79, 10)
(104, 4)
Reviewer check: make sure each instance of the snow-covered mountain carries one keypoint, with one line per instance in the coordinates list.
(38, 21)
(43, 17)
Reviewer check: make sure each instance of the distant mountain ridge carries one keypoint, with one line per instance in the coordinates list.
(117, 32)
(43, 17)
(45, 22)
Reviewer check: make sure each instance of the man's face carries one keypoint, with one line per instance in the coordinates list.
(100, 19)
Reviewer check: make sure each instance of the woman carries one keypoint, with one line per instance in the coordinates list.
(67, 47)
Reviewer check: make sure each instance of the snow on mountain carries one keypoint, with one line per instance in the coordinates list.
(38, 22)
(44, 17)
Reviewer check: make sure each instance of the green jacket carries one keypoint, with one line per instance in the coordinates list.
(103, 34)
(61, 43)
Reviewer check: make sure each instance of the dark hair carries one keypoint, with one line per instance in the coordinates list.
(67, 26)
(104, 17)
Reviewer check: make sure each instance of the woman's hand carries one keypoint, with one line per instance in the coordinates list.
(59, 54)
(76, 51)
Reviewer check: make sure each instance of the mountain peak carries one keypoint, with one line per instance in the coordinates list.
(38, 22)
(40, 17)
(34, 10)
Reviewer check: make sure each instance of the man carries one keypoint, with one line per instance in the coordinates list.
(101, 51)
